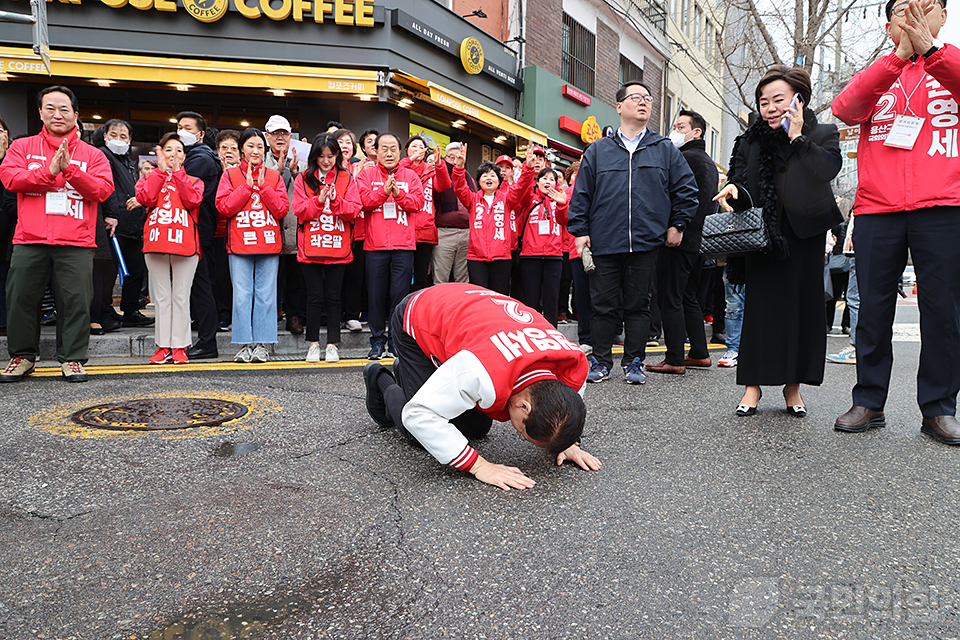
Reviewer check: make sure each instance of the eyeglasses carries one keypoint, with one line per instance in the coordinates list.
(638, 97)
(280, 133)
(901, 9)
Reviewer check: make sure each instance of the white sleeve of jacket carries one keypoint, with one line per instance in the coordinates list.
(458, 385)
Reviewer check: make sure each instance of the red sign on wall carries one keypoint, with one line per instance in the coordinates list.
(571, 125)
(578, 96)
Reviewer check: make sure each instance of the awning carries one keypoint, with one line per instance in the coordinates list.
(465, 106)
(218, 73)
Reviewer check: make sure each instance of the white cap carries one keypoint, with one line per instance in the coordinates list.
(277, 123)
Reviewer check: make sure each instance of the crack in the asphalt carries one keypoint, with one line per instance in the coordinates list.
(336, 445)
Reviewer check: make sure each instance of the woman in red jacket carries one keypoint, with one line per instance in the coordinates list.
(325, 201)
(492, 228)
(425, 222)
(540, 215)
(171, 247)
(252, 198)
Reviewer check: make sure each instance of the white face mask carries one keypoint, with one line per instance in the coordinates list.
(119, 147)
(678, 138)
(188, 139)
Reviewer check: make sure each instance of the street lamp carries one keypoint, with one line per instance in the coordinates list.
(478, 13)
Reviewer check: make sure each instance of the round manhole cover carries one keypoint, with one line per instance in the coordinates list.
(152, 414)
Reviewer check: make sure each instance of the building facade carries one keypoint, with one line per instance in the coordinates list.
(393, 65)
(694, 73)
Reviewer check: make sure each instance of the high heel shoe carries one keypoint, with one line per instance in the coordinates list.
(744, 410)
(797, 410)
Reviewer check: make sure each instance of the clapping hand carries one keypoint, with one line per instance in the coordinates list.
(61, 159)
(557, 195)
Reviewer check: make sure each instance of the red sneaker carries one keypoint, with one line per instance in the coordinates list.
(180, 356)
(162, 356)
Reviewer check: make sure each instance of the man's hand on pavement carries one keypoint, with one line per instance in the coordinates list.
(582, 459)
(500, 475)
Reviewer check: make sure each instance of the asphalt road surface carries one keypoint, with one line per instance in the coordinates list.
(303, 520)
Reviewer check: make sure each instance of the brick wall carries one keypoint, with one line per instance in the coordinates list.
(608, 63)
(544, 34)
(653, 78)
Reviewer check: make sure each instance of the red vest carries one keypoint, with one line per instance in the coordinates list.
(169, 227)
(328, 236)
(254, 231)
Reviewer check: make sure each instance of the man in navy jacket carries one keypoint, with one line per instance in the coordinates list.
(634, 193)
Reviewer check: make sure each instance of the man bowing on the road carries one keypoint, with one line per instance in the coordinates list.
(467, 355)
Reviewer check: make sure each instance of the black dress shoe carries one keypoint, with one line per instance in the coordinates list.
(859, 419)
(946, 429)
(136, 319)
(797, 410)
(96, 329)
(110, 324)
(202, 354)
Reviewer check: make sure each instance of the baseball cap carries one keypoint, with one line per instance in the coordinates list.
(503, 159)
(538, 151)
(277, 123)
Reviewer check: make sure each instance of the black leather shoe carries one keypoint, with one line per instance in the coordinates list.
(202, 354)
(946, 429)
(136, 319)
(859, 419)
(797, 410)
(376, 406)
(110, 324)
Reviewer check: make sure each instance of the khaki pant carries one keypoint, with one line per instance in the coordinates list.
(171, 278)
(30, 269)
(450, 253)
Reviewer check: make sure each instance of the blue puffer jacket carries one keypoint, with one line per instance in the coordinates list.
(627, 202)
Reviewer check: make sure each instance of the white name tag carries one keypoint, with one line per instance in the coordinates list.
(389, 210)
(57, 203)
(904, 132)
(543, 227)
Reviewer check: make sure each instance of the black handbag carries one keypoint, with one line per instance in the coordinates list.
(735, 233)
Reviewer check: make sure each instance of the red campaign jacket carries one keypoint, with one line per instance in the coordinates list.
(487, 347)
(174, 202)
(330, 223)
(88, 181)
(426, 223)
(395, 233)
(569, 242)
(252, 213)
(893, 179)
(492, 227)
(539, 220)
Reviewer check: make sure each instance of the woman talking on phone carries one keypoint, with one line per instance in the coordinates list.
(785, 162)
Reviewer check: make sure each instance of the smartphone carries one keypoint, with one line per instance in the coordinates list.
(794, 104)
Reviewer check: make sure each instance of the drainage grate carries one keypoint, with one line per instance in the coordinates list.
(159, 414)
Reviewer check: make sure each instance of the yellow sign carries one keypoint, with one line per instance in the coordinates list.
(344, 12)
(433, 138)
(591, 131)
(201, 72)
(206, 10)
(471, 55)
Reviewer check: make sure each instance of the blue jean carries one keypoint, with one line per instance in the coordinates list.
(853, 300)
(733, 320)
(254, 298)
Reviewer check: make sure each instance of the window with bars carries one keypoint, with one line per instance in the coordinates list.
(578, 55)
(629, 71)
